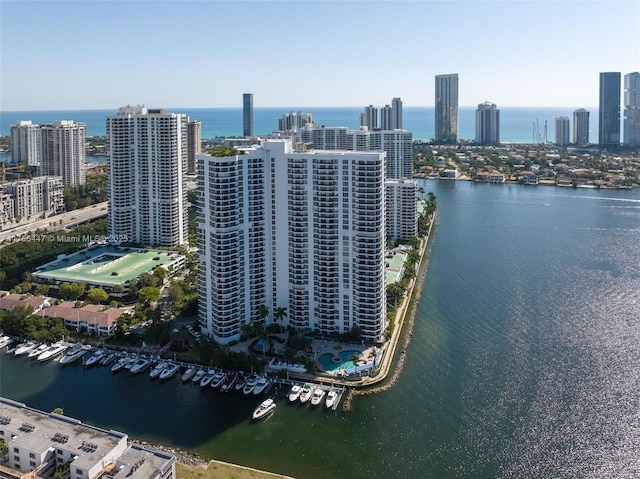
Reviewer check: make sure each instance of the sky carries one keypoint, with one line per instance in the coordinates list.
(85, 54)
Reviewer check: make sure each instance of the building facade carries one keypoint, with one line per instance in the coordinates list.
(396, 114)
(35, 198)
(631, 135)
(369, 117)
(581, 127)
(25, 143)
(292, 227)
(247, 115)
(401, 219)
(446, 108)
(63, 151)
(294, 120)
(194, 145)
(146, 158)
(562, 131)
(609, 111)
(487, 124)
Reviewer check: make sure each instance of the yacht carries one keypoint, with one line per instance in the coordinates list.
(332, 396)
(24, 348)
(306, 393)
(5, 341)
(317, 396)
(218, 379)
(38, 351)
(119, 364)
(250, 384)
(207, 378)
(140, 365)
(241, 383)
(157, 369)
(106, 359)
(294, 393)
(95, 358)
(197, 377)
(131, 362)
(74, 352)
(169, 370)
(55, 350)
(188, 374)
(266, 407)
(261, 385)
(229, 382)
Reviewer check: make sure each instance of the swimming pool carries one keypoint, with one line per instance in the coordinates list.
(327, 363)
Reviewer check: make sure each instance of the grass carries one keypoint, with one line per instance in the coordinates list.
(221, 470)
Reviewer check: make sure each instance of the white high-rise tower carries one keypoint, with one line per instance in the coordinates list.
(63, 151)
(25, 143)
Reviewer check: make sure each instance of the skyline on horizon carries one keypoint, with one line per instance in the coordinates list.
(179, 53)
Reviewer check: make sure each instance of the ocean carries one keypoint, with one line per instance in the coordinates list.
(523, 361)
(516, 123)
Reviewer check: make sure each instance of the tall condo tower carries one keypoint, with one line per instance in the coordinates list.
(609, 112)
(562, 131)
(581, 126)
(147, 157)
(446, 108)
(62, 151)
(396, 114)
(487, 124)
(632, 109)
(247, 114)
(194, 145)
(285, 227)
(369, 117)
(385, 118)
(25, 143)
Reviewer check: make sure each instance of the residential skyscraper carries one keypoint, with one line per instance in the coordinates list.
(562, 131)
(487, 124)
(446, 108)
(293, 120)
(581, 126)
(147, 157)
(247, 114)
(385, 118)
(63, 151)
(194, 145)
(369, 117)
(609, 112)
(631, 135)
(396, 114)
(25, 143)
(307, 234)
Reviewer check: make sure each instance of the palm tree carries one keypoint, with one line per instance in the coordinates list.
(280, 314)
(264, 312)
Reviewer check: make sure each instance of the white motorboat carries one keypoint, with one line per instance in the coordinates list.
(197, 377)
(266, 407)
(317, 396)
(294, 393)
(129, 364)
(241, 383)
(5, 341)
(74, 352)
(120, 363)
(95, 358)
(38, 351)
(332, 396)
(169, 371)
(188, 374)
(24, 348)
(229, 382)
(251, 383)
(140, 365)
(306, 393)
(207, 378)
(261, 385)
(218, 379)
(55, 350)
(157, 369)
(106, 359)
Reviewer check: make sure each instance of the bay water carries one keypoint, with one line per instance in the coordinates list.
(523, 363)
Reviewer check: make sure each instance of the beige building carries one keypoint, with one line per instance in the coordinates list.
(32, 199)
(63, 151)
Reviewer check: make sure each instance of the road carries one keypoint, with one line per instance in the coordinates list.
(69, 220)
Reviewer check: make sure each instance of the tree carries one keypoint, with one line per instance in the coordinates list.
(146, 279)
(58, 410)
(72, 290)
(148, 294)
(395, 290)
(280, 314)
(97, 295)
(264, 312)
(160, 273)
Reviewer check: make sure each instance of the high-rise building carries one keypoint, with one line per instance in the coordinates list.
(63, 151)
(581, 126)
(631, 135)
(402, 220)
(446, 108)
(290, 227)
(369, 117)
(147, 156)
(385, 117)
(609, 112)
(396, 114)
(25, 143)
(194, 145)
(36, 198)
(247, 114)
(487, 124)
(562, 131)
(293, 120)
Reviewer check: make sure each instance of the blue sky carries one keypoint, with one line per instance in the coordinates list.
(103, 54)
